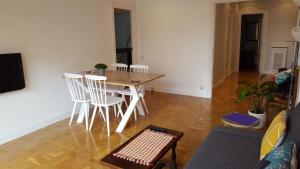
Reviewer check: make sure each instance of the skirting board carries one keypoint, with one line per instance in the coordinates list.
(19, 133)
(179, 92)
(267, 72)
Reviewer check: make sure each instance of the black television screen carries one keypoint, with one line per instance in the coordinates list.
(11, 72)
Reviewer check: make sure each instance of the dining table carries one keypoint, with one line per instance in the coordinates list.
(131, 80)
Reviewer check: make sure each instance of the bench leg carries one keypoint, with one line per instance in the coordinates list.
(173, 164)
(159, 165)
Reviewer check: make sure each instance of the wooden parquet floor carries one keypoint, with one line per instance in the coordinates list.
(62, 147)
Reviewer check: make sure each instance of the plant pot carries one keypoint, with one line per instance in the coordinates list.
(101, 71)
(262, 119)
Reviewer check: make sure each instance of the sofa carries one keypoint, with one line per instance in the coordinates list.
(232, 148)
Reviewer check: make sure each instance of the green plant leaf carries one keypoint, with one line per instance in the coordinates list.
(259, 93)
(262, 77)
(101, 66)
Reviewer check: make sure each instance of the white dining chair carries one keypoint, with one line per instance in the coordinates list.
(119, 66)
(141, 89)
(113, 89)
(119, 89)
(78, 94)
(126, 92)
(139, 68)
(99, 98)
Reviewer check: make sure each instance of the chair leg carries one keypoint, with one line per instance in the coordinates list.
(93, 117)
(73, 112)
(135, 115)
(107, 121)
(144, 104)
(102, 114)
(115, 110)
(120, 112)
(126, 104)
(86, 112)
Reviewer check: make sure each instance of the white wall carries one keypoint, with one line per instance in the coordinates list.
(175, 38)
(225, 42)
(54, 36)
(220, 43)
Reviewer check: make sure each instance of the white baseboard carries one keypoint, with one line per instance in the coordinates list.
(19, 133)
(267, 72)
(179, 92)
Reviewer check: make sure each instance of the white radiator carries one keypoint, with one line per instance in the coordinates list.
(278, 58)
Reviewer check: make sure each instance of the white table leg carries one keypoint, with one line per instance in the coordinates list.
(139, 106)
(140, 109)
(129, 111)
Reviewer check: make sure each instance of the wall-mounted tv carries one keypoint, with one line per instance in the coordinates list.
(11, 72)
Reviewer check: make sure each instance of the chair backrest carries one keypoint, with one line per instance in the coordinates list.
(76, 86)
(119, 66)
(97, 89)
(139, 68)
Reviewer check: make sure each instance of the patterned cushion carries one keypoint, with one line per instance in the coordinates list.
(283, 157)
(274, 135)
(281, 77)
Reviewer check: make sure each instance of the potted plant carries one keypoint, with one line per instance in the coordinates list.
(101, 68)
(259, 94)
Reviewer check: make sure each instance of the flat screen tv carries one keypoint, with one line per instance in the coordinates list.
(11, 72)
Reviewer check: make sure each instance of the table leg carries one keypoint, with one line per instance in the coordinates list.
(140, 109)
(129, 111)
(139, 105)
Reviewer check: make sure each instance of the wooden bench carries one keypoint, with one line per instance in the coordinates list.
(112, 161)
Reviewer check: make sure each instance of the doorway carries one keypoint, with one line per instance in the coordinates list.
(122, 19)
(250, 42)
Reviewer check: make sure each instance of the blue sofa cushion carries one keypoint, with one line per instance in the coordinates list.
(281, 156)
(293, 129)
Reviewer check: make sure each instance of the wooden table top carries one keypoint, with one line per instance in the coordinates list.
(118, 163)
(126, 78)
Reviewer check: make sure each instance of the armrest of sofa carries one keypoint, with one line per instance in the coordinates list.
(240, 132)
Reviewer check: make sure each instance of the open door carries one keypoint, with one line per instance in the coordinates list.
(250, 42)
(123, 36)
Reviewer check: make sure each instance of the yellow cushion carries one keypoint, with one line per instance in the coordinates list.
(274, 135)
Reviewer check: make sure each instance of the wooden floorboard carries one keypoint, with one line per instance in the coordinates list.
(61, 146)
